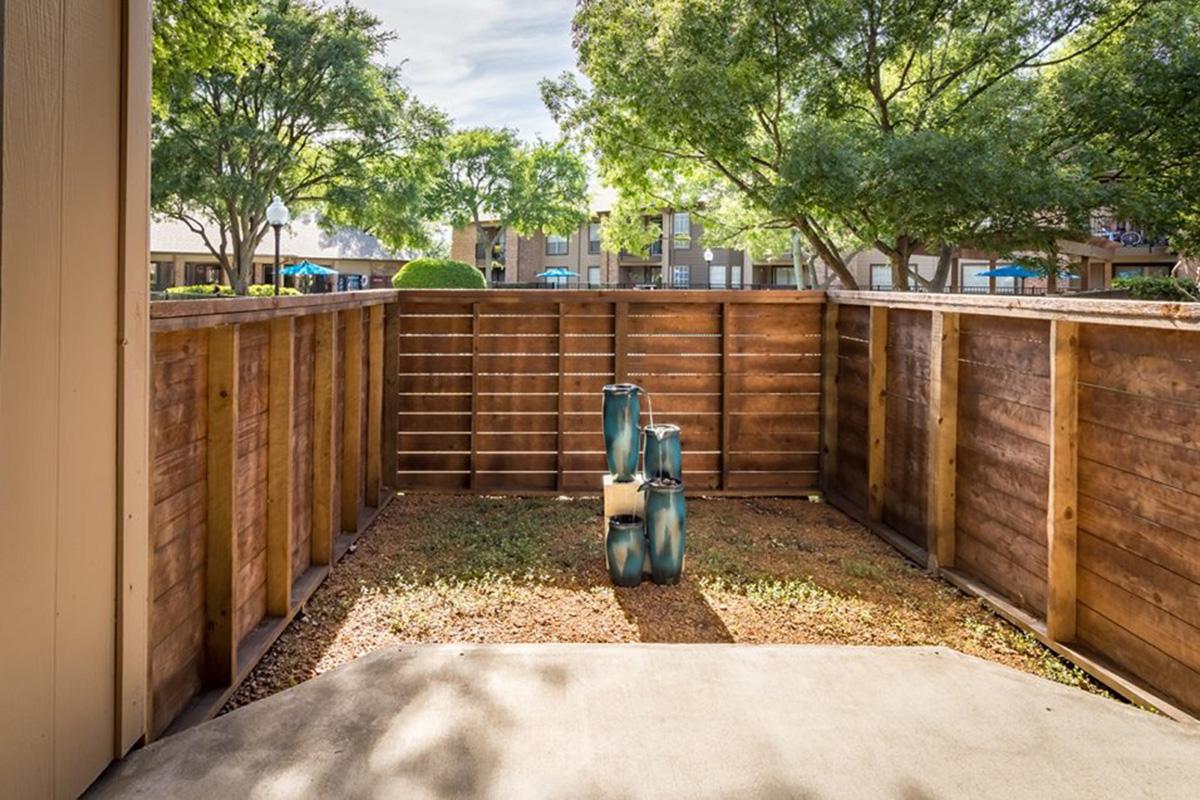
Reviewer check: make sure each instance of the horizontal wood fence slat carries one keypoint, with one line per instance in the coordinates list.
(507, 396)
(1057, 472)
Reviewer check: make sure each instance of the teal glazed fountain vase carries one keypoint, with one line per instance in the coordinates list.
(663, 454)
(625, 548)
(666, 529)
(622, 412)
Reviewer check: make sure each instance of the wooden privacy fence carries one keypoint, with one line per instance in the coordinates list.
(276, 421)
(265, 423)
(501, 390)
(1042, 453)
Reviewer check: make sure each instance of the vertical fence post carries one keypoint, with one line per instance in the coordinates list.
(391, 394)
(620, 331)
(562, 394)
(375, 372)
(474, 396)
(829, 398)
(877, 412)
(1061, 517)
(943, 438)
(726, 348)
(221, 563)
(352, 419)
(280, 385)
(324, 526)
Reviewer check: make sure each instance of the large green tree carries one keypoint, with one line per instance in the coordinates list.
(489, 180)
(1131, 110)
(311, 122)
(910, 125)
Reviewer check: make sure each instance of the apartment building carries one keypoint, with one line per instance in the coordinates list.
(676, 260)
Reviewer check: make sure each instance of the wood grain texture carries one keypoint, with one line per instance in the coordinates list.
(1061, 511)
(877, 412)
(280, 467)
(221, 552)
(943, 436)
(352, 417)
(375, 381)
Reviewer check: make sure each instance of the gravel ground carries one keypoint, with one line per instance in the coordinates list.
(487, 569)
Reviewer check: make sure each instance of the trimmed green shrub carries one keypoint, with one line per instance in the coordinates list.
(1145, 287)
(213, 290)
(438, 273)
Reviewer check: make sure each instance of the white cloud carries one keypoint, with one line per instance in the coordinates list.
(481, 60)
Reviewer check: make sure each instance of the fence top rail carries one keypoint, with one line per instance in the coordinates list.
(169, 315)
(1138, 313)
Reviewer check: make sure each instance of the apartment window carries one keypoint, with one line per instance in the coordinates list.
(681, 276)
(881, 276)
(556, 245)
(682, 230)
(594, 238)
(593, 276)
(783, 276)
(735, 277)
(716, 276)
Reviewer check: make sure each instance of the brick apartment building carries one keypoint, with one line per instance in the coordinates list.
(677, 260)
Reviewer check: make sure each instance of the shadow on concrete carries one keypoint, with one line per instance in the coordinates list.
(672, 614)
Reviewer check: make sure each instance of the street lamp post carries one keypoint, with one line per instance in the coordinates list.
(277, 217)
(708, 259)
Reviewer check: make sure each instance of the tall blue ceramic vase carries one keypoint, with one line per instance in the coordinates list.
(622, 412)
(666, 528)
(664, 456)
(625, 549)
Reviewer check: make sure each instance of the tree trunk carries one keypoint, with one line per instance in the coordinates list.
(826, 253)
(798, 262)
(899, 256)
(942, 273)
(242, 274)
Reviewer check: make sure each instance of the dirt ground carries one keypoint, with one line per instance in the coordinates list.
(481, 569)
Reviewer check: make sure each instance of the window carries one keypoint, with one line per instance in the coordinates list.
(783, 276)
(681, 276)
(594, 238)
(682, 230)
(881, 276)
(970, 277)
(593, 276)
(735, 277)
(716, 276)
(556, 245)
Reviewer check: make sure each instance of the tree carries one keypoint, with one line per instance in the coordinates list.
(192, 37)
(1131, 110)
(486, 178)
(311, 123)
(896, 122)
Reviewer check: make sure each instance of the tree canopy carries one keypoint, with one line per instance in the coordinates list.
(910, 126)
(312, 122)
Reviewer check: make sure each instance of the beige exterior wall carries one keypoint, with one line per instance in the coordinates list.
(73, 357)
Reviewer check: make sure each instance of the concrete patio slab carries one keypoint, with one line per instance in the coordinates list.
(632, 721)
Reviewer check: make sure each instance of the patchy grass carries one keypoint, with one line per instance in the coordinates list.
(487, 569)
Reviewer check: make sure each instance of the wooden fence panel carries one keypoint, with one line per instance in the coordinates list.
(506, 397)
(850, 480)
(1003, 452)
(907, 430)
(1139, 504)
(208, 616)
(179, 362)
(251, 583)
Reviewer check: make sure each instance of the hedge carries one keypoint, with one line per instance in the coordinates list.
(206, 290)
(1147, 287)
(438, 273)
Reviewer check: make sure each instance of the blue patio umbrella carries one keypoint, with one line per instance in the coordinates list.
(1008, 271)
(307, 268)
(558, 272)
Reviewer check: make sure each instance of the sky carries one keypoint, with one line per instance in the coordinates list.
(481, 60)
